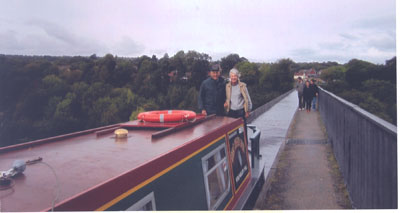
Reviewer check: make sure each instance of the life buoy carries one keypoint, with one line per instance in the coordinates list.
(167, 116)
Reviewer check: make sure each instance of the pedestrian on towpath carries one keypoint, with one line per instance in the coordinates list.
(315, 92)
(308, 95)
(299, 88)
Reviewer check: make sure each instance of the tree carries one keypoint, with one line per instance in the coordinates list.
(388, 71)
(358, 71)
(278, 76)
(64, 120)
(147, 79)
(248, 72)
(384, 91)
(105, 112)
(228, 62)
(197, 67)
(175, 96)
(190, 100)
(334, 73)
(178, 64)
(54, 85)
(125, 101)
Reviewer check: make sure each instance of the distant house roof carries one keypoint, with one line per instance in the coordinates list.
(173, 73)
(306, 72)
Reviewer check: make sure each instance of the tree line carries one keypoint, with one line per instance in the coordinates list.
(370, 86)
(44, 96)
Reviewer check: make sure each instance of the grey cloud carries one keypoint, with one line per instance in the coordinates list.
(378, 23)
(159, 52)
(333, 45)
(55, 31)
(304, 52)
(44, 37)
(8, 40)
(314, 56)
(333, 57)
(349, 36)
(324, 53)
(383, 43)
(129, 47)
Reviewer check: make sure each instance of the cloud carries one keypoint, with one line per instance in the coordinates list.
(304, 52)
(160, 52)
(348, 36)
(320, 54)
(383, 43)
(40, 37)
(8, 40)
(55, 31)
(128, 47)
(218, 55)
(59, 40)
(386, 23)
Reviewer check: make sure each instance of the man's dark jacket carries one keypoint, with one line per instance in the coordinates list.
(212, 96)
(314, 89)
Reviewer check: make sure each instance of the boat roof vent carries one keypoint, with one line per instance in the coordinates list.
(121, 133)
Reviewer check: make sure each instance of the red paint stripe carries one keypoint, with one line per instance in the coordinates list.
(99, 195)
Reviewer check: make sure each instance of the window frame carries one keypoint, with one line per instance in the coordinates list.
(215, 167)
(142, 202)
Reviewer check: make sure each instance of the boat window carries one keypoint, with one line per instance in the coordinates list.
(145, 204)
(216, 176)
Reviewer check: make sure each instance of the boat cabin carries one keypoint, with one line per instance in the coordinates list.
(198, 165)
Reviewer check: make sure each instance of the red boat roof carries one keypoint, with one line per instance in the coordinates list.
(85, 160)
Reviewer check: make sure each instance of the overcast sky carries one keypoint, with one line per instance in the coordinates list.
(262, 31)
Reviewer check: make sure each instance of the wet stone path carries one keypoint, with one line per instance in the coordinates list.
(305, 174)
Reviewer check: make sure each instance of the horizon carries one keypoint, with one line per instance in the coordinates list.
(212, 60)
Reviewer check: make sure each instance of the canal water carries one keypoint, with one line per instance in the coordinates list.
(274, 124)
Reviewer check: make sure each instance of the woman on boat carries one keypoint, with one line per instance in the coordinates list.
(238, 103)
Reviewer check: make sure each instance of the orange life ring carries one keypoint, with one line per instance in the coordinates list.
(167, 116)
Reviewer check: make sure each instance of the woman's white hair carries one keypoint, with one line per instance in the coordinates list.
(235, 72)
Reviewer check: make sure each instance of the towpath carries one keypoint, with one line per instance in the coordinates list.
(305, 175)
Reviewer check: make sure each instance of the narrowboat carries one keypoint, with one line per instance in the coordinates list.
(191, 165)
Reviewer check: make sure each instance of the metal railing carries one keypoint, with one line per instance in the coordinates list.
(365, 148)
(255, 143)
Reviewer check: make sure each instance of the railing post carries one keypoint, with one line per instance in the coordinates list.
(255, 143)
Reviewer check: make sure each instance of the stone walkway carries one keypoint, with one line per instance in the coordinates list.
(306, 175)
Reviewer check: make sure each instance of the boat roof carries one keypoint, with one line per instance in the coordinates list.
(86, 159)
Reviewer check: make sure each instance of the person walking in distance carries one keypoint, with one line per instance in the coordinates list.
(315, 92)
(299, 88)
(308, 95)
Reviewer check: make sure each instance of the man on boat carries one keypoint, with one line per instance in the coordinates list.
(212, 93)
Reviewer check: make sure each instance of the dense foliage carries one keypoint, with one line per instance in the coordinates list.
(47, 96)
(372, 87)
